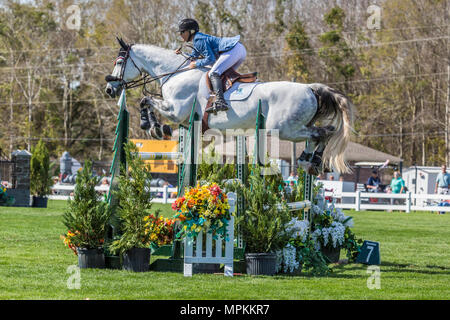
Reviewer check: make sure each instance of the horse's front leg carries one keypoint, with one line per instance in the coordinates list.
(149, 121)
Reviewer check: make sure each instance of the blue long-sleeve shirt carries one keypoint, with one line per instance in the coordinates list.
(211, 47)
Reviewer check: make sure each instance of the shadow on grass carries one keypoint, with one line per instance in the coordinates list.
(402, 267)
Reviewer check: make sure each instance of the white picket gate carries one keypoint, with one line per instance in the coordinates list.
(219, 257)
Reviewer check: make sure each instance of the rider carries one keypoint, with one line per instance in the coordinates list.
(221, 53)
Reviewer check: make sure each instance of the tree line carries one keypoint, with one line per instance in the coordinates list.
(390, 57)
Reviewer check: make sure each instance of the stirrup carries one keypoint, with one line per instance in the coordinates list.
(217, 107)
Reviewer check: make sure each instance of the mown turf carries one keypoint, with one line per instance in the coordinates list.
(414, 252)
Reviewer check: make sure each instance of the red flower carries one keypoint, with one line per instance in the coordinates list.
(215, 190)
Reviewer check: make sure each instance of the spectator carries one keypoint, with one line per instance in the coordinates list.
(442, 181)
(292, 185)
(331, 177)
(397, 185)
(341, 178)
(104, 184)
(373, 183)
(292, 177)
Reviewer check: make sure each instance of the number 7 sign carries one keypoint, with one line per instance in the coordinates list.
(370, 253)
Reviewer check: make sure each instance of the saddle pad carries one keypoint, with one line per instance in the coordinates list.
(240, 91)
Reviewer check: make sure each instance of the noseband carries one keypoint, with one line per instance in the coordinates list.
(124, 55)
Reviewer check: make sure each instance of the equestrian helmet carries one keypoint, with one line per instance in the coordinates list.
(188, 24)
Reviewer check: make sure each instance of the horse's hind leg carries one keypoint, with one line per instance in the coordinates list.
(316, 160)
(311, 158)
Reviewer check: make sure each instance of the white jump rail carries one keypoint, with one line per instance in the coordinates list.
(409, 199)
(166, 191)
(219, 257)
(301, 205)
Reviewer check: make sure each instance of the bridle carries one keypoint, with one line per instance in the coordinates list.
(144, 79)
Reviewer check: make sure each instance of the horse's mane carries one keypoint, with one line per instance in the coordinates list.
(162, 54)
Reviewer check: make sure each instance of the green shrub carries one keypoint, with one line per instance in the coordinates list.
(40, 178)
(87, 216)
(134, 198)
(264, 220)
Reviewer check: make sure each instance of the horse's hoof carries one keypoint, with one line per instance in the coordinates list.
(313, 170)
(167, 130)
(305, 165)
(156, 132)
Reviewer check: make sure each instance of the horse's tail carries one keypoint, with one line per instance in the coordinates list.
(335, 109)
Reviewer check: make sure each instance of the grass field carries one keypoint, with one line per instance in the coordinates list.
(415, 254)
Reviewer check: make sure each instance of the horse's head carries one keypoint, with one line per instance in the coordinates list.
(123, 70)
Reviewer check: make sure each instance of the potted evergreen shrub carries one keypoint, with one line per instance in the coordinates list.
(134, 198)
(262, 225)
(40, 178)
(86, 220)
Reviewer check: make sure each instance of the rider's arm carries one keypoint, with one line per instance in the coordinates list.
(207, 52)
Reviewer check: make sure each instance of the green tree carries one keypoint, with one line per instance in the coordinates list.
(40, 179)
(299, 51)
(336, 54)
(263, 223)
(134, 198)
(87, 216)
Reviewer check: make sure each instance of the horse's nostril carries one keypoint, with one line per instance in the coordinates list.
(109, 91)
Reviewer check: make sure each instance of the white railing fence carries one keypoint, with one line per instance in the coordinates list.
(389, 201)
(345, 200)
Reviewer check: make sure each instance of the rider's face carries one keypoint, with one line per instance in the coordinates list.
(185, 35)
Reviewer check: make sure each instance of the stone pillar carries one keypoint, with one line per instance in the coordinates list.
(21, 178)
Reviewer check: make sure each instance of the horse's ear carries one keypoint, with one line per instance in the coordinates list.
(122, 43)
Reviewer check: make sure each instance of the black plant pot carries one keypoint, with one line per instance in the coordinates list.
(332, 254)
(91, 258)
(261, 263)
(112, 262)
(137, 260)
(39, 202)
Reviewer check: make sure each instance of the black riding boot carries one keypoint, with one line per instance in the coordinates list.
(220, 103)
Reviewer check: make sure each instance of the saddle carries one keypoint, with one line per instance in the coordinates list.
(230, 76)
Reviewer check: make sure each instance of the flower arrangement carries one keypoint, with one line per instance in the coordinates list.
(331, 228)
(70, 239)
(160, 229)
(67, 239)
(287, 259)
(331, 236)
(4, 198)
(300, 253)
(203, 208)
